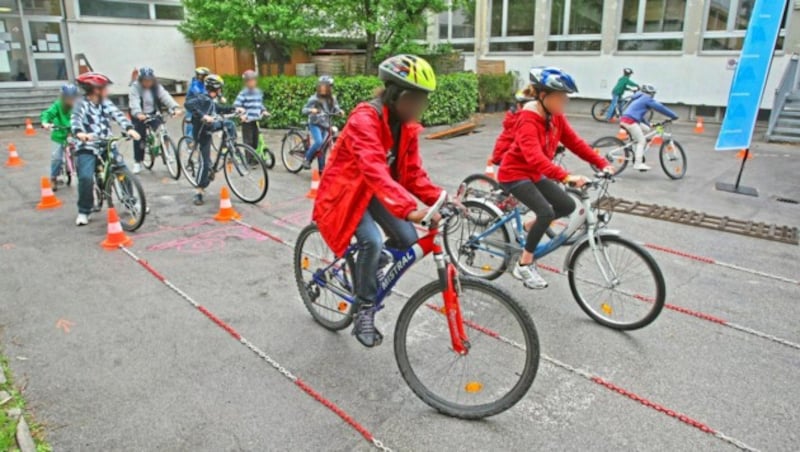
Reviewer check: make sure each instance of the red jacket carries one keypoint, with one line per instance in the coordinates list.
(506, 138)
(358, 170)
(531, 155)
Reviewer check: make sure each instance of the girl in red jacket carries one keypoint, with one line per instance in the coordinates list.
(506, 138)
(527, 169)
(375, 177)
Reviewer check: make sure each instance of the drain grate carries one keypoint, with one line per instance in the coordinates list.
(784, 234)
(787, 200)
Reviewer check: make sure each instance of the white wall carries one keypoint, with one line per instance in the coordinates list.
(116, 48)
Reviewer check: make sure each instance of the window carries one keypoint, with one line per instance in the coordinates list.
(41, 7)
(169, 12)
(652, 25)
(457, 27)
(575, 25)
(727, 22)
(130, 10)
(511, 25)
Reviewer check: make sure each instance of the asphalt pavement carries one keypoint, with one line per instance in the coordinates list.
(112, 359)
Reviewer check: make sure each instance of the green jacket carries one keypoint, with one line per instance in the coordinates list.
(59, 117)
(623, 83)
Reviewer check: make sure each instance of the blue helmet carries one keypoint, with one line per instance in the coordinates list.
(69, 90)
(552, 79)
(147, 73)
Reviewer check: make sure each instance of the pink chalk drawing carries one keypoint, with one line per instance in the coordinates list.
(301, 219)
(209, 240)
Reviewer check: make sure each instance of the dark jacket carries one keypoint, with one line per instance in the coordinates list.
(201, 105)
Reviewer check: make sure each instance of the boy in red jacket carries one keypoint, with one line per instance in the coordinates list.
(506, 138)
(527, 169)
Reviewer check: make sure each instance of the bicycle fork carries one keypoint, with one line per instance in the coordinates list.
(448, 275)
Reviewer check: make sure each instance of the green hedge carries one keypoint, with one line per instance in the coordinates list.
(455, 99)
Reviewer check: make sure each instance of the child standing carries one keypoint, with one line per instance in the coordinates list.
(623, 84)
(58, 115)
(319, 108)
(251, 100)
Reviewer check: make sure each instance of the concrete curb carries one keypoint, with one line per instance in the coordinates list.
(24, 438)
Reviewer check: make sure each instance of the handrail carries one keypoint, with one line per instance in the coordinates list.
(789, 84)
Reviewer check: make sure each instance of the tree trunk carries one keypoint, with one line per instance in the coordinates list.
(370, 54)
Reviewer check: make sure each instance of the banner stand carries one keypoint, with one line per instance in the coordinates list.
(736, 188)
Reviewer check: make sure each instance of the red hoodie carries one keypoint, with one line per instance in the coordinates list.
(531, 155)
(506, 138)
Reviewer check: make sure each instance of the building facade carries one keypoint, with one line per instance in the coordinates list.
(686, 48)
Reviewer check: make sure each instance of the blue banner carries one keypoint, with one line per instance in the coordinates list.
(750, 78)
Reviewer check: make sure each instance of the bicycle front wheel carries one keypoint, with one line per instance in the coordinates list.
(125, 193)
(472, 249)
(479, 186)
(673, 159)
(617, 283)
(501, 360)
(615, 151)
(246, 173)
(149, 158)
(600, 109)
(293, 151)
(169, 155)
(189, 158)
(321, 284)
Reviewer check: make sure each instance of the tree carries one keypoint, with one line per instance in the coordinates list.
(268, 28)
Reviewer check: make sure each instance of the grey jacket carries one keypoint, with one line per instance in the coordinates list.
(327, 107)
(140, 101)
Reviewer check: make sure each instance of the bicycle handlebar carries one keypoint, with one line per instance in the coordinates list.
(426, 221)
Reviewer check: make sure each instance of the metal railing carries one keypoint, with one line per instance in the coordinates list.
(789, 84)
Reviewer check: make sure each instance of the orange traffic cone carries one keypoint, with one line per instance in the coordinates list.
(657, 140)
(490, 170)
(29, 130)
(49, 200)
(740, 155)
(622, 134)
(115, 236)
(13, 157)
(226, 212)
(312, 192)
(699, 127)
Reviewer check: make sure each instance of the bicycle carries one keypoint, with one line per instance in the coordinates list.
(484, 241)
(68, 163)
(262, 150)
(296, 142)
(158, 143)
(600, 108)
(671, 154)
(245, 171)
(117, 186)
(432, 335)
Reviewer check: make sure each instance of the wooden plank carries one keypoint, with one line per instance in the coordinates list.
(461, 129)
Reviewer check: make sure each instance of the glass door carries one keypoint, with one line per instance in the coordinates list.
(48, 52)
(15, 67)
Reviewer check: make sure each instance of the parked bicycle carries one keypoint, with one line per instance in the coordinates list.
(117, 186)
(262, 149)
(600, 108)
(614, 281)
(158, 143)
(296, 142)
(68, 164)
(670, 153)
(245, 171)
(464, 346)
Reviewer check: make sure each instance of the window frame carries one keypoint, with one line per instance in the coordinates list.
(731, 31)
(569, 37)
(641, 35)
(151, 11)
(504, 38)
(450, 39)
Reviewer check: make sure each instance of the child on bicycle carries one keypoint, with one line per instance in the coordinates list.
(527, 169)
(366, 188)
(506, 138)
(251, 100)
(204, 110)
(91, 120)
(319, 108)
(634, 120)
(623, 84)
(146, 98)
(196, 86)
(58, 116)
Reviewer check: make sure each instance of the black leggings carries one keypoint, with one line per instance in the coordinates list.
(250, 134)
(546, 199)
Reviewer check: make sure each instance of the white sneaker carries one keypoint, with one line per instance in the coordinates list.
(82, 220)
(137, 168)
(529, 275)
(641, 167)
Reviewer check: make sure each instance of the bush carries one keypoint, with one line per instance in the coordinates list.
(455, 99)
(495, 88)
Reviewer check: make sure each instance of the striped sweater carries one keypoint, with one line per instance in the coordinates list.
(95, 119)
(252, 101)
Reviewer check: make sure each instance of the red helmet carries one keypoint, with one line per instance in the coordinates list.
(93, 80)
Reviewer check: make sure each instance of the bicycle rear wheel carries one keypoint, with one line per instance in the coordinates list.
(322, 290)
(189, 158)
(482, 256)
(125, 193)
(479, 186)
(149, 158)
(293, 151)
(600, 110)
(619, 284)
(246, 173)
(169, 155)
(499, 366)
(673, 159)
(615, 151)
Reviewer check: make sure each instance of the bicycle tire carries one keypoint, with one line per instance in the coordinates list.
(189, 160)
(479, 335)
(606, 145)
(303, 259)
(67, 175)
(131, 218)
(481, 215)
(149, 158)
(638, 299)
(169, 155)
(293, 150)
(243, 161)
(600, 110)
(269, 159)
(673, 171)
(479, 186)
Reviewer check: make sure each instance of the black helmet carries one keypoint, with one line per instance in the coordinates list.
(627, 71)
(213, 82)
(648, 89)
(325, 80)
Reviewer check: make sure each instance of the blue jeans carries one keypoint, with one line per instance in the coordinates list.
(188, 131)
(85, 166)
(401, 234)
(318, 136)
(612, 109)
(56, 160)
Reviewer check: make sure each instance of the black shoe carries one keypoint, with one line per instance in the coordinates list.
(364, 329)
(306, 164)
(198, 199)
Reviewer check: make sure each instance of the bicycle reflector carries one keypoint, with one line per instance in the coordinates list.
(473, 387)
(606, 308)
